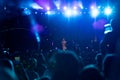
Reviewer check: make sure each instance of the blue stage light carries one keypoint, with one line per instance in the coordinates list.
(68, 13)
(94, 12)
(27, 11)
(48, 12)
(35, 6)
(107, 11)
(48, 8)
(75, 8)
(37, 37)
(58, 8)
(80, 5)
(65, 8)
(75, 13)
(57, 3)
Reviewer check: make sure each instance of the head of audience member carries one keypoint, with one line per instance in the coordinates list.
(111, 67)
(7, 63)
(7, 74)
(65, 65)
(32, 63)
(99, 59)
(91, 72)
(7, 70)
(45, 78)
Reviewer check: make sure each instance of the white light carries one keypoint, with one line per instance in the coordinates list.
(35, 6)
(74, 7)
(75, 12)
(68, 13)
(92, 7)
(108, 11)
(94, 13)
(48, 12)
(58, 8)
(64, 7)
(57, 3)
(99, 7)
(48, 8)
(80, 5)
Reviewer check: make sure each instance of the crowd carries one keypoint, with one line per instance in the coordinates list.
(64, 64)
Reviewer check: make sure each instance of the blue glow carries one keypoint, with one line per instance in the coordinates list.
(108, 11)
(37, 37)
(58, 8)
(75, 12)
(50, 12)
(99, 7)
(27, 11)
(57, 3)
(81, 6)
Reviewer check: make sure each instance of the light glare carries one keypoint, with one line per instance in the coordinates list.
(68, 12)
(95, 13)
(108, 11)
(74, 7)
(64, 7)
(27, 11)
(48, 8)
(35, 6)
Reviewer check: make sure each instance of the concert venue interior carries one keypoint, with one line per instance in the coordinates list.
(59, 40)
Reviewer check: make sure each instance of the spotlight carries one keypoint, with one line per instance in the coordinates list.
(99, 7)
(64, 7)
(68, 13)
(27, 11)
(74, 7)
(94, 13)
(80, 5)
(75, 12)
(48, 12)
(48, 8)
(108, 11)
(37, 37)
(57, 3)
(93, 7)
(58, 8)
(35, 6)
